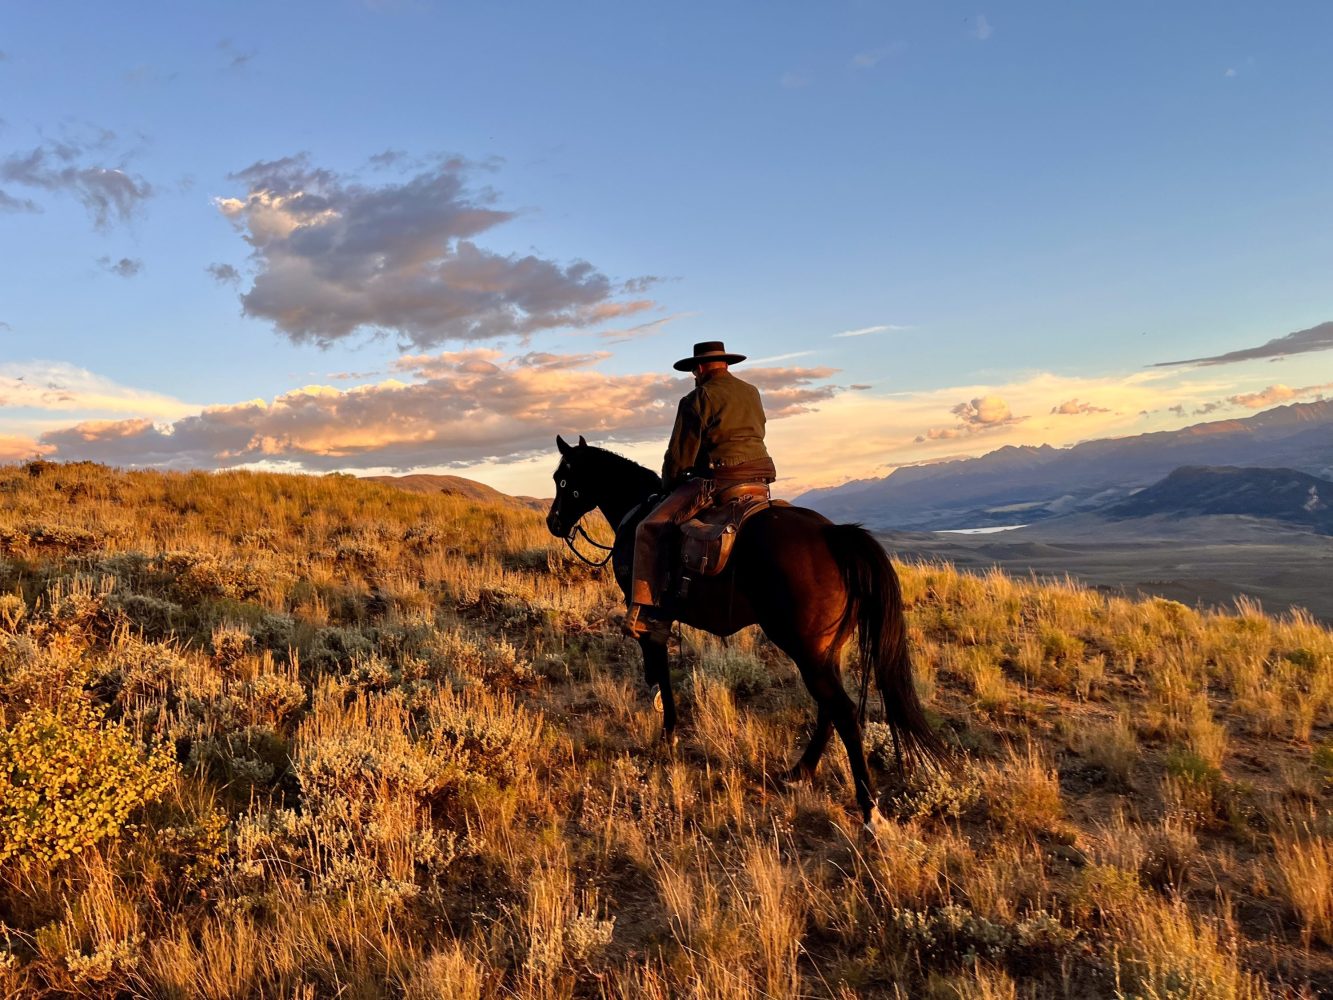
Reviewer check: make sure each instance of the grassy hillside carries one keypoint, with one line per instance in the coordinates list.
(295, 737)
(457, 486)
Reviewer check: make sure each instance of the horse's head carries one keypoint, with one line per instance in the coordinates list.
(574, 488)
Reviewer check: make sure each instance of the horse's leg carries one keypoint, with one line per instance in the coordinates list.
(804, 769)
(657, 671)
(824, 681)
(849, 728)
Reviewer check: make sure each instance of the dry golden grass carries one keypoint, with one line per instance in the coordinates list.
(1304, 859)
(337, 740)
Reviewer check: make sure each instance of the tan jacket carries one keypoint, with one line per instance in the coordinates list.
(719, 425)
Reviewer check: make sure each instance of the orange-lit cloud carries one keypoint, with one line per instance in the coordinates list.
(56, 386)
(1274, 394)
(14, 448)
(980, 414)
(1074, 408)
(448, 410)
(865, 434)
(494, 416)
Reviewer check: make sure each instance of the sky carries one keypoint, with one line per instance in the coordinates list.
(415, 236)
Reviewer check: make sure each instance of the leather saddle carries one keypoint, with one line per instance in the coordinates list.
(708, 537)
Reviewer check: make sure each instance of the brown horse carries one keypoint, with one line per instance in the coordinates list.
(808, 583)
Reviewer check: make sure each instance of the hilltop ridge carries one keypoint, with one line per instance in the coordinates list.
(456, 486)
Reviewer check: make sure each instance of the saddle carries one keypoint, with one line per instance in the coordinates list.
(707, 538)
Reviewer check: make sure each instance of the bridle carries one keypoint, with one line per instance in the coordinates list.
(578, 530)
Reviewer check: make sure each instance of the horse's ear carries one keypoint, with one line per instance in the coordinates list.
(560, 443)
(582, 443)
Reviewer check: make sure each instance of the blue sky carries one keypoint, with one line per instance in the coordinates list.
(1028, 204)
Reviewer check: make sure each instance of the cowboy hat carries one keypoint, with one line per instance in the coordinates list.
(709, 350)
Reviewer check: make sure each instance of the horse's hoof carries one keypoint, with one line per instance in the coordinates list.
(656, 692)
(669, 740)
(874, 824)
(795, 776)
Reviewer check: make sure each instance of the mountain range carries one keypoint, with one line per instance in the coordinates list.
(1284, 495)
(1023, 484)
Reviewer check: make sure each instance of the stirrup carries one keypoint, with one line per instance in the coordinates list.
(638, 625)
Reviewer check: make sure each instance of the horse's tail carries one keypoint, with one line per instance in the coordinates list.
(875, 610)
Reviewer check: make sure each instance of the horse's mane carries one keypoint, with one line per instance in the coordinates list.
(616, 466)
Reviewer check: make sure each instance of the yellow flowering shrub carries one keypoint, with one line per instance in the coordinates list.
(67, 780)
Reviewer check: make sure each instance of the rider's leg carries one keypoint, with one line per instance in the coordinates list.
(646, 586)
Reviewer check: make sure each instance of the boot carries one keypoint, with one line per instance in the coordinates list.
(642, 620)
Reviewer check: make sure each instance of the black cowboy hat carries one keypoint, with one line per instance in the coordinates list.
(709, 350)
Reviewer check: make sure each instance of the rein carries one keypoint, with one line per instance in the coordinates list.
(578, 530)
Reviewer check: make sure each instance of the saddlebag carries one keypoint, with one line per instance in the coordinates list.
(705, 547)
(708, 538)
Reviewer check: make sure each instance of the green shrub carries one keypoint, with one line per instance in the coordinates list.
(743, 673)
(67, 780)
(927, 789)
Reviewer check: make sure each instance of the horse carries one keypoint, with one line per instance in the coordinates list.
(807, 582)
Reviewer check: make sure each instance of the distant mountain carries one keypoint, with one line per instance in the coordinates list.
(1017, 485)
(457, 486)
(1273, 494)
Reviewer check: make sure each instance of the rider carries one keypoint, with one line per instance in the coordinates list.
(718, 442)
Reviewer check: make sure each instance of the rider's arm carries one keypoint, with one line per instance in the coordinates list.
(685, 440)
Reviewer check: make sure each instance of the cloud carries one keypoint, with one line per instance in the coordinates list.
(126, 267)
(16, 448)
(982, 413)
(4, 326)
(1072, 407)
(780, 357)
(860, 434)
(491, 416)
(336, 257)
(236, 58)
(1275, 394)
(872, 57)
(1316, 338)
(57, 386)
(1231, 71)
(865, 331)
(637, 286)
(447, 410)
(224, 274)
(8, 203)
(388, 158)
(77, 167)
(145, 75)
(789, 391)
(621, 334)
(982, 30)
(794, 81)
